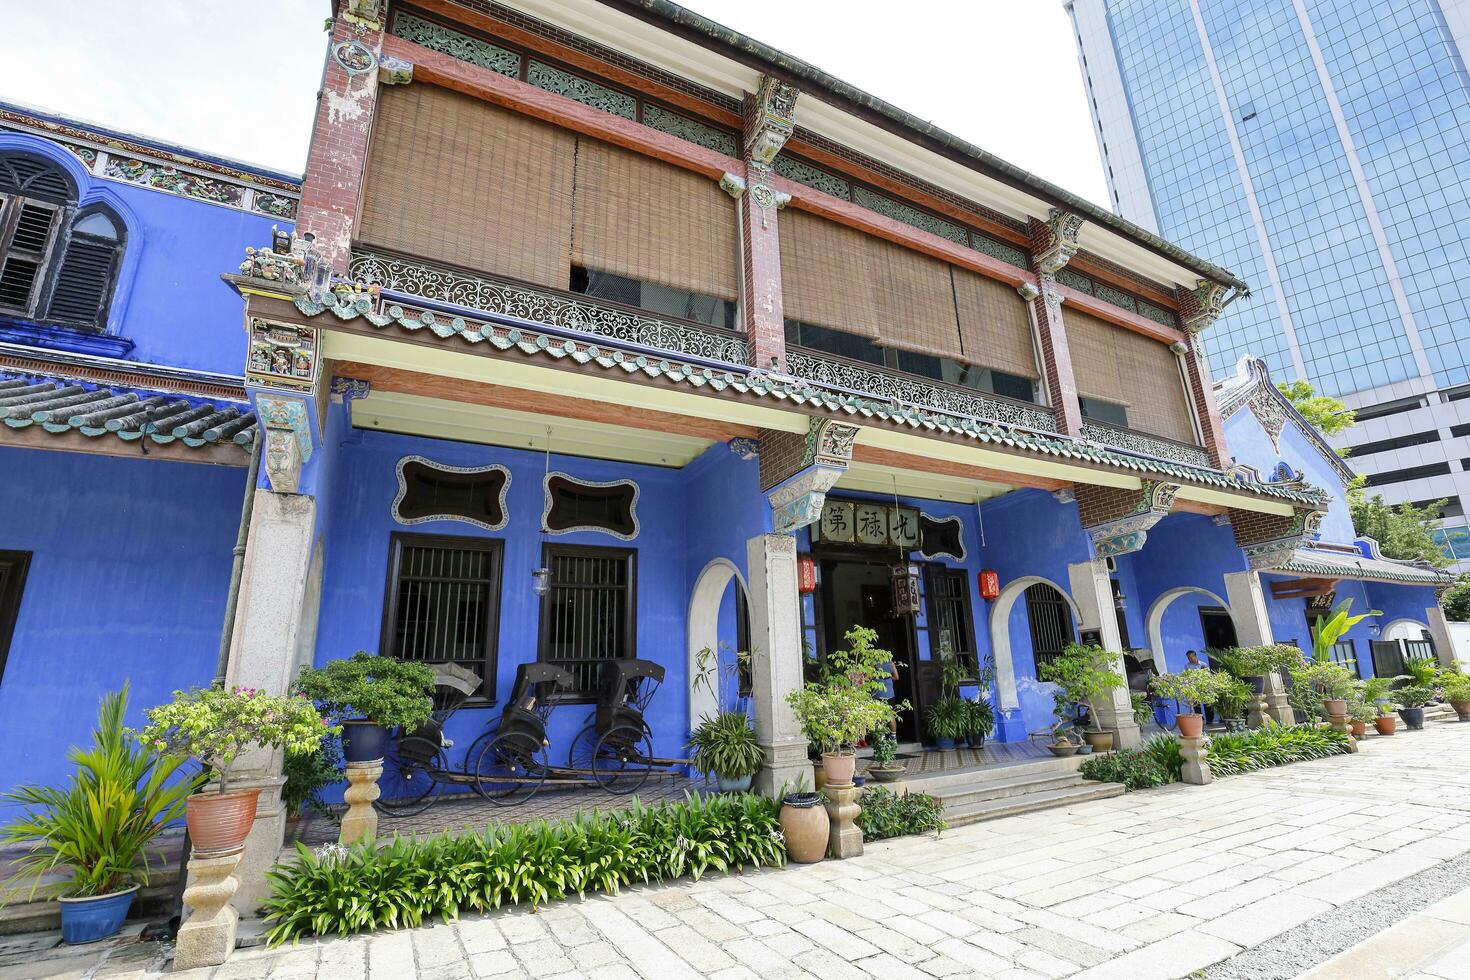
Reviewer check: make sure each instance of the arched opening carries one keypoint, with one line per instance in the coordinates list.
(1154, 622)
(1056, 612)
(1405, 629)
(719, 623)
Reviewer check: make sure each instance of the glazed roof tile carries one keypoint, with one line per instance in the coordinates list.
(1334, 564)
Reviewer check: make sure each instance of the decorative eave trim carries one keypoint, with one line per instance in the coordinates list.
(446, 468)
(1252, 381)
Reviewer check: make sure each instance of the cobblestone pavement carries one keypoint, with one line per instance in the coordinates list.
(1153, 884)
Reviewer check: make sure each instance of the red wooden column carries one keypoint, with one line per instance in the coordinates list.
(1053, 243)
(770, 115)
(339, 137)
(1199, 308)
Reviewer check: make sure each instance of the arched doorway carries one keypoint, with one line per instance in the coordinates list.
(1405, 629)
(717, 612)
(1057, 614)
(1154, 621)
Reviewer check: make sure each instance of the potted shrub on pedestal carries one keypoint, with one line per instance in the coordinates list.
(1193, 689)
(1456, 689)
(1086, 673)
(725, 745)
(846, 703)
(98, 828)
(1253, 664)
(1330, 683)
(216, 727)
(370, 696)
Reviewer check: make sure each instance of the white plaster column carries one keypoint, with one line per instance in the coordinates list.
(276, 604)
(1439, 632)
(776, 662)
(1092, 590)
(1247, 598)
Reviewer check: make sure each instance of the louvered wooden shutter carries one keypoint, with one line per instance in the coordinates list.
(82, 282)
(995, 327)
(26, 230)
(1150, 373)
(825, 274)
(638, 217)
(455, 179)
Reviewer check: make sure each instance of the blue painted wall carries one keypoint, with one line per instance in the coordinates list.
(127, 582)
(1183, 550)
(1250, 444)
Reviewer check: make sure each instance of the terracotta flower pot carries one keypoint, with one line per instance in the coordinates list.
(1190, 725)
(1358, 728)
(1462, 709)
(1335, 707)
(838, 767)
(1385, 724)
(219, 824)
(805, 825)
(1100, 741)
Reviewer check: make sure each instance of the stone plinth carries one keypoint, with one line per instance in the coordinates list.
(845, 839)
(207, 938)
(1196, 767)
(1340, 723)
(361, 819)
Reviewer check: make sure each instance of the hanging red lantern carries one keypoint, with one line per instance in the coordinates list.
(806, 575)
(989, 583)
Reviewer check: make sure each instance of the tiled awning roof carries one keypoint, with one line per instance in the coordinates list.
(60, 405)
(1343, 564)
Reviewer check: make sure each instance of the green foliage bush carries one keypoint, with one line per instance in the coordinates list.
(384, 690)
(1232, 753)
(887, 814)
(847, 704)
(1164, 749)
(1134, 768)
(947, 718)
(307, 774)
(725, 745)
(1084, 673)
(1197, 687)
(364, 887)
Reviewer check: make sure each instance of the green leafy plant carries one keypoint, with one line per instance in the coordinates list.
(1194, 687)
(846, 703)
(1168, 753)
(308, 773)
(885, 750)
(1231, 753)
(385, 690)
(99, 826)
(1330, 629)
(1414, 695)
(1258, 661)
(1084, 673)
(1423, 671)
(952, 672)
(1134, 768)
(979, 717)
(1327, 679)
(947, 718)
(216, 726)
(725, 745)
(1143, 712)
(1234, 695)
(1453, 684)
(1376, 693)
(369, 886)
(721, 678)
(887, 814)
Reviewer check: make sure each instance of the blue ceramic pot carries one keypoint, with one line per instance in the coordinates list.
(86, 920)
(945, 744)
(363, 741)
(1413, 718)
(740, 785)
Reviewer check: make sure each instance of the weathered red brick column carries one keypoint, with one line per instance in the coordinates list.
(1053, 243)
(1199, 309)
(769, 120)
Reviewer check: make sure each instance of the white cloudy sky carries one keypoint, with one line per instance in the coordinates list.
(239, 80)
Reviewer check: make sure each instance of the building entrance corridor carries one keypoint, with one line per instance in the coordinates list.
(858, 592)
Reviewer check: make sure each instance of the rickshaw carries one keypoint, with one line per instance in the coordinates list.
(616, 746)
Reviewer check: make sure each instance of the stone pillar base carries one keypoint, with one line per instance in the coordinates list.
(1196, 769)
(208, 937)
(361, 818)
(1118, 719)
(1339, 723)
(785, 770)
(845, 839)
(1278, 707)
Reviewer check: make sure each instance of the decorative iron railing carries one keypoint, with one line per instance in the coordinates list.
(1138, 442)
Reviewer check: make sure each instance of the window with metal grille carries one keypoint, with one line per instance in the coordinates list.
(950, 625)
(13, 568)
(443, 603)
(587, 615)
(1050, 618)
(1345, 652)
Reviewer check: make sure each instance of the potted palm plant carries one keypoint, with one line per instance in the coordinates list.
(846, 703)
(725, 745)
(1194, 689)
(216, 726)
(97, 828)
(945, 722)
(979, 722)
(1456, 689)
(1086, 673)
(371, 696)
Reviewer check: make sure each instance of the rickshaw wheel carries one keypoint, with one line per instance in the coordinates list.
(623, 759)
(507, 773)
(408, 784)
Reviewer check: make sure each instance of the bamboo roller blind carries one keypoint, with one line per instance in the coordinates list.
(995, 328)
(452, 178)
(1118, 365)
(645, 219)
(825, 276)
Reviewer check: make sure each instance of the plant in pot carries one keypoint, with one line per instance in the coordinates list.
(1143, 712)
(1193, 689)
(1371, 701)
(1331, 683)
(307, 774)
(1456, 689)
(725, 745)
(1232, 698)
(979, 722)
(370, 696)
(1254, 664)
(216, 726)
(846, 703)
(885, 767)
(1086, 674)
(1412, 698)
(946, 721)
(98, 828)
(1062, 733)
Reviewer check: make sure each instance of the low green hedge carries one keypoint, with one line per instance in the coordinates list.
(365, 887)
(886, 814)
(1232, 753)
(1134, 768)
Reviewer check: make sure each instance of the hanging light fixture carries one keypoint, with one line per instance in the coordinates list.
(905, 575)
(541, 577)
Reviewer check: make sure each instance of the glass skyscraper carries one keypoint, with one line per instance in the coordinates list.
(1320, 149)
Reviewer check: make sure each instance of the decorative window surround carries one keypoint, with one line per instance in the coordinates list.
(528, 303)
(1138, 442)
(548, 503)
(445, 468)
(959, 537)
(876, 381)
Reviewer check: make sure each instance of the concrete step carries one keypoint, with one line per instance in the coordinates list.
(940, 782)
(1030, 803)
(1440, 712)
(1003, 789)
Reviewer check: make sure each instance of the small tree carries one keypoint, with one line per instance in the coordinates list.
(1404, 531)
(1332, 628)
(1456, 601)
(1085, 673)
(1327, 415)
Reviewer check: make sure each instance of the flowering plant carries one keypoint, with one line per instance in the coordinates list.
(216, 726)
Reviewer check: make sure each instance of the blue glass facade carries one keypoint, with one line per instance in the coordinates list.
(1405, 108)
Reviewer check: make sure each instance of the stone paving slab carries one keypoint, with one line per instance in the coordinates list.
(1161, 884)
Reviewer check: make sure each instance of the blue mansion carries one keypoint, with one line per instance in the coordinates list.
(626, 337)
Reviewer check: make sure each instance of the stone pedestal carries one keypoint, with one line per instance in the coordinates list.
(1278, 705)
(845, 839)
(1339, 723)
(1256, 712)
(1196, 769)
(775, 663)
(207, 937)
(361, 819)
(1092, 589)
